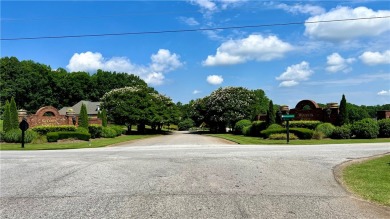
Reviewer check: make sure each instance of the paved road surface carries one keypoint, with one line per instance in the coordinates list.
(198, 178)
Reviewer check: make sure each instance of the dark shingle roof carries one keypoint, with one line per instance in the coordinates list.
(92, 108)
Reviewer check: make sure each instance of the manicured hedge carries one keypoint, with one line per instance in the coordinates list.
(343, 132)
(302, 133)
(55, 136)
(43, 130)
(256, 128)
(384, 128)
(304, 124)
(108, 132)
(118, 129)
(283, 136)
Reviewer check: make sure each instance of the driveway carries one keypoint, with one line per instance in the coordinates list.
(201, 177)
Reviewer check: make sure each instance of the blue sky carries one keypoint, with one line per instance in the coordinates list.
(318, 61)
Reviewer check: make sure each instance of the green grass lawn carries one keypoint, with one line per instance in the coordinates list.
(240, 139)
(370, 179)
(74, 145)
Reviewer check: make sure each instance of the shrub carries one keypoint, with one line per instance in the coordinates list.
(52, 137)
(118, 129)
(15, 136)
(83, 116)
(266, 133)
(82, 130)
(95, 131)
(326, 129)
(186, 124)
(282, 136)
(275, 126)
(43, 130)
(247, 130)
(343, 132)
(240, 125)
(302, 133)
(304, 124)
(75, 135)
(365, 128)
(384, 128)
(40, 139)
(108, 132)
(2, 133)
(256, 128)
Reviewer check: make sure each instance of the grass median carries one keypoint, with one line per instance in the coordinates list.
(94, 143)
(240, 139)
(370, 179)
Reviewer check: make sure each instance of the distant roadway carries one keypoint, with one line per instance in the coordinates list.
(183, 176)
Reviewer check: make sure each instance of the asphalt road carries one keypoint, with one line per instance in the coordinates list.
(182, 176)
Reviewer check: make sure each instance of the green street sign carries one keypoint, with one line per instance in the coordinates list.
(288, 117)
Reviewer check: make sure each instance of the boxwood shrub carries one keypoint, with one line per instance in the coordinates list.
(301, 133)
(343, 132)
(55, 136)
(44, 129)
(365, 128)
(305, 124)
(240, 125)
(384, 128)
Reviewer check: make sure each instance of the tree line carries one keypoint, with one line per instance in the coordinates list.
(34, 85)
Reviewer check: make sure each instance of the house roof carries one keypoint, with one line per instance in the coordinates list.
(92, 108)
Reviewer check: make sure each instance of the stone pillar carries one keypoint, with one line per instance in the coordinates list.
(71, 117)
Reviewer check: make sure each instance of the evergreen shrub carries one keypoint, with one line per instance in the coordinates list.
(108, 132)
(384, 128)
(43, 130)
(118, 129)
(282, 136)
(95, 131)
(308, 124)
(326, 129)
(55, 136)
(365, 128)
(240, 125)
(15, 136)
(342, 132)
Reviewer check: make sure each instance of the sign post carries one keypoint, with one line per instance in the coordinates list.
(23, 125)
(287, 118)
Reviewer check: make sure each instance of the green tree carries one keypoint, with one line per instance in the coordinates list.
(6, 117)
(343, 112)
(14, 120)
(103, 116)
(83, 117)
(260, 105)
(270, 114)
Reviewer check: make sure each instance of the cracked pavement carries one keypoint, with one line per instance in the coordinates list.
(183, 176)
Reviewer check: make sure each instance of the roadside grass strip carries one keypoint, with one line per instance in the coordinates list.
(240, 139)
(94, 143)
(370, 179)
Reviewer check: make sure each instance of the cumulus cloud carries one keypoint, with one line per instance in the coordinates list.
(190, 21)
(254, 47)
(337, 63)
(210, 6)
(294, 74)
(347, 30)
(302, 9)
(375, 58)
(214, 79)
(384, 93)
(161, 63)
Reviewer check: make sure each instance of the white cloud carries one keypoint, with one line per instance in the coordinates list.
(294, 74)
(337, 63)
(162, 62)
(254, 47)
(347, 30)
(375, 58)
(214, 79)
(196, 92)
(303, 9)
(384, 93)
(190, 21)
(210, 6)
(205, 4)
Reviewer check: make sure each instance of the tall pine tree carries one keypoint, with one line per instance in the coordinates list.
(14, 121)
(83, 117)
(6, 118)
(270, 114)
(343, 112)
